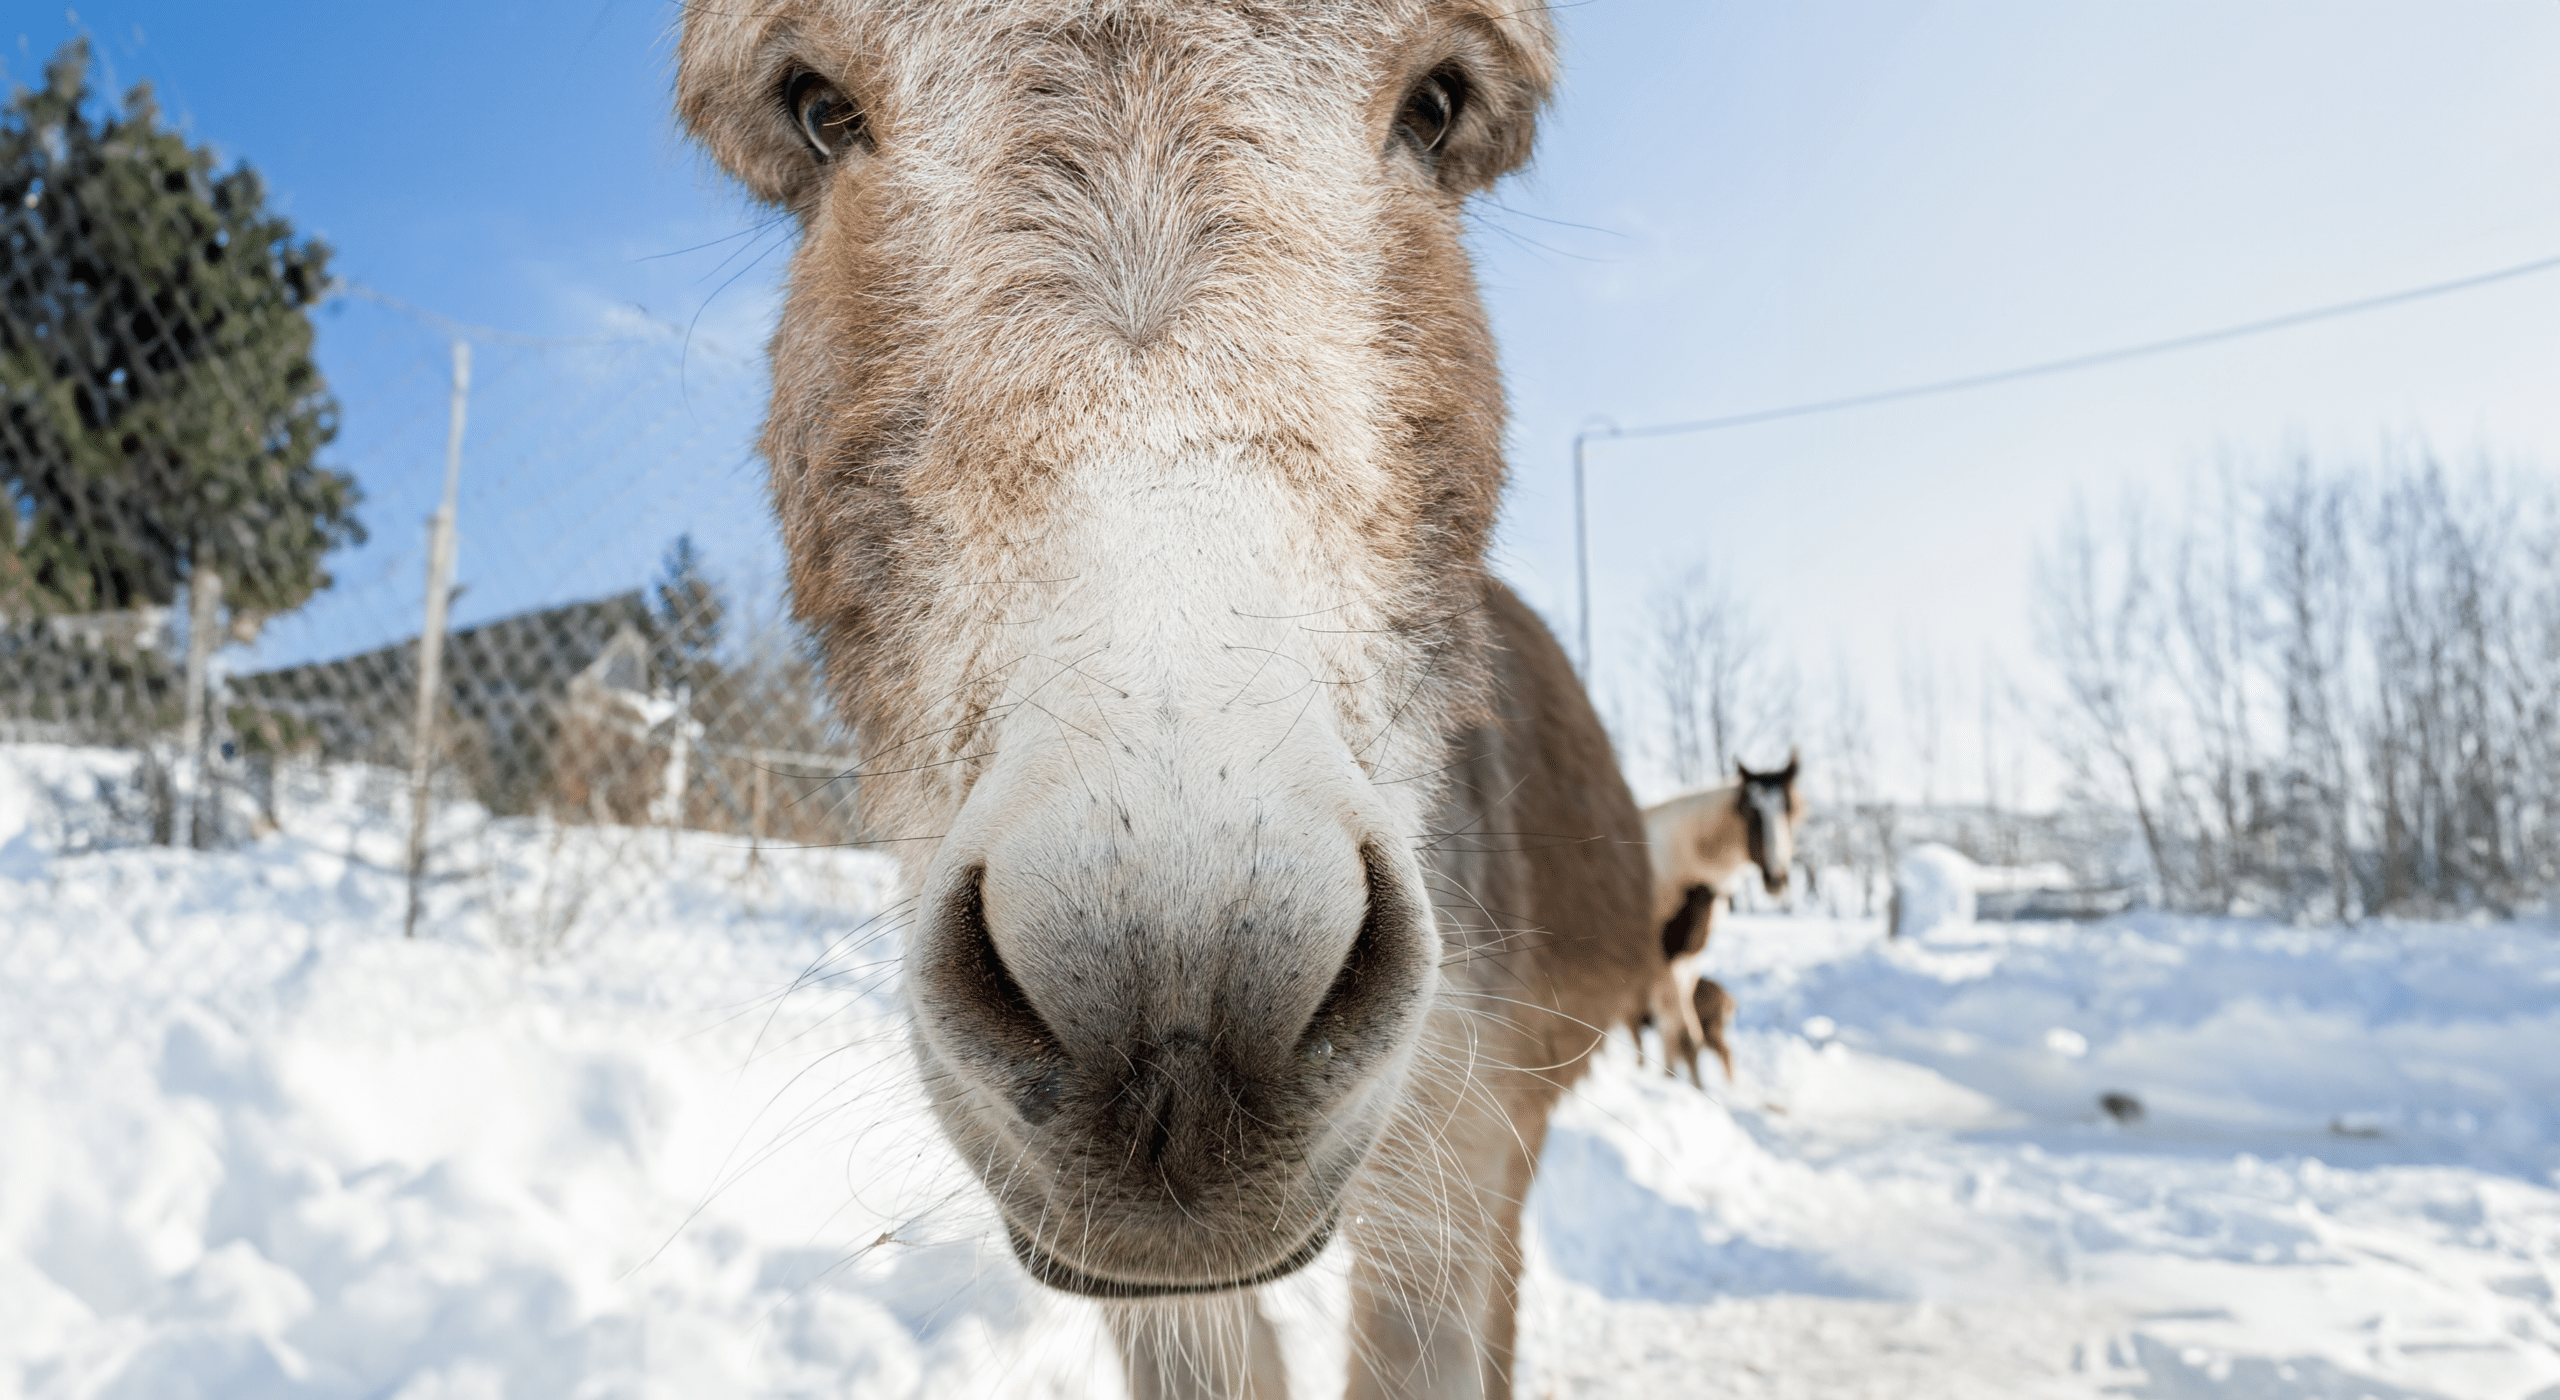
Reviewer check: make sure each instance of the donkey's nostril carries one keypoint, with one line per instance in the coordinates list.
(1368, 989)
(989, 996)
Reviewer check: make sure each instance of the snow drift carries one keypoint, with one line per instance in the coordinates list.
(253, 1143)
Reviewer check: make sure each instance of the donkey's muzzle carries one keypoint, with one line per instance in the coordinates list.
(1166, 1064)
(1048, 1268)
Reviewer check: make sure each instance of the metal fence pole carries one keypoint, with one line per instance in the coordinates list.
(1596, 425)
(679, 760)
(204, 613)
(755, 808)
(422, 743)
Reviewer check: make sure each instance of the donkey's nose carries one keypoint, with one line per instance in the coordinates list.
(1160, 1007)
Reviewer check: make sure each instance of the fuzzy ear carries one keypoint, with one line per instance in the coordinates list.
(1788, 774)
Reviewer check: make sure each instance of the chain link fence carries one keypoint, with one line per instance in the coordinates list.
(274, 536)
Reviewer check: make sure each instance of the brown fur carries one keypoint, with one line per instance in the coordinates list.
(1540, 875)
(935, 311)
(1136, 437)
(1715, 1016)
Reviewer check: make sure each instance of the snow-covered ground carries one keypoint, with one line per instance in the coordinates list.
(253, 1143)
(2341, 1182)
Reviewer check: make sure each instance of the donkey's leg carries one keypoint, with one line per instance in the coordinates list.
(1502, 1304)
(1436, 1246)
(1714, 1007)
(1660, 1014)
(1677, 993)
(1692, 1039)
(1215, 1347)
(1418, 1314)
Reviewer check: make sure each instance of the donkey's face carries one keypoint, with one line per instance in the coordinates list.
(1770, 811)
(1135, 435)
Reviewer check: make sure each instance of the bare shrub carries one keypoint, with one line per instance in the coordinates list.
(2323, 692)
(1725, 693)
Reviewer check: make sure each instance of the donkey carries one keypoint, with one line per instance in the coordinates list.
(1699, 843)
(1714, 1008)
(1135, 437)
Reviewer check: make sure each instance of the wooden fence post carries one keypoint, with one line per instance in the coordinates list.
(422, 740)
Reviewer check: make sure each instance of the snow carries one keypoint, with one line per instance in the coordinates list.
(2342, 1182)
(258, 1144)
(254, 1143)
(1933, 887)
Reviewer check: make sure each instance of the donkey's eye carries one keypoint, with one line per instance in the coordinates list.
(1432, 108)
(827, 118)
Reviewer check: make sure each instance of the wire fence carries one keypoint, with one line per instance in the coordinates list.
(495, 593)
(275, 537)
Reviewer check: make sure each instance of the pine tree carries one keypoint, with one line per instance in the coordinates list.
(160, 412)
(688, 613)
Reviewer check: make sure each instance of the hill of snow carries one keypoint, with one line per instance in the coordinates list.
(254, 1143)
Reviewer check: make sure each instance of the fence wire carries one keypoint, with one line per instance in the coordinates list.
(224, 493)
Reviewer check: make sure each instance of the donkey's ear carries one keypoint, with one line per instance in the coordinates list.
(1788, 773)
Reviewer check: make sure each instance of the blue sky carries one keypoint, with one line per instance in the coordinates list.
(1802, 201)
(1736, 205)
(507, 164)
(511, 167)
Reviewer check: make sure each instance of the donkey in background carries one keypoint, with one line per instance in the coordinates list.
(1136, 434)
(1700, 843)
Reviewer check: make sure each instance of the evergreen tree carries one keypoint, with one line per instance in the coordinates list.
(159, 409)
(687, 609)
